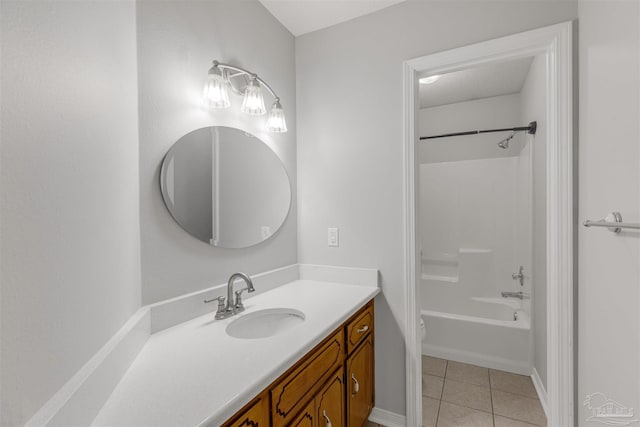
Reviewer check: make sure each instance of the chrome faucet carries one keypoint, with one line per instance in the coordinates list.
(519, 275)
(230, 307)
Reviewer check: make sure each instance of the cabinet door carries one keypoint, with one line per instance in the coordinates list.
(360, 384)
(330, 405)
(307, 417)
(296, 387)
(257, 415)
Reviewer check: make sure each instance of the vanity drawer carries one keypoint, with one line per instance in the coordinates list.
(297, 386)
(359, 327)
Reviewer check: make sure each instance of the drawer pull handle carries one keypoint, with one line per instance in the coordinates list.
(326, 418)
(364, 328)
(356, 385)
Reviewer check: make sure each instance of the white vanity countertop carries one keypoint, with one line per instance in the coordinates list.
(195, 374)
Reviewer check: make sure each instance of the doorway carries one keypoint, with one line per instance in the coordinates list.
(551, 49)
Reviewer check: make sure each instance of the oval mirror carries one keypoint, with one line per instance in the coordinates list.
(225, 187)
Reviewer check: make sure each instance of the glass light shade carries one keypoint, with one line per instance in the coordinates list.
(253, 102)
(216, 91)
(276, 121)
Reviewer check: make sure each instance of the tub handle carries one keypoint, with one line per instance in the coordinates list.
(326, 418)
(356, 385)
(364, 328)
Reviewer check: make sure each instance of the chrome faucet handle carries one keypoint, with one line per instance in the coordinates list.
(519, 275)
(238, 305)
(220, 314)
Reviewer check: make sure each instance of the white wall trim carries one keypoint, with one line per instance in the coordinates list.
(386, 418)
(81, 398)
(413, 350)
(335, 274)
(542, 393)
(173, 311)
(555, 42)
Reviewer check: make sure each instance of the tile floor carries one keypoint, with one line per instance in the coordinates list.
(457, 394)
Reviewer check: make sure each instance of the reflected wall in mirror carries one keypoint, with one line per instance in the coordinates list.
(225, 187)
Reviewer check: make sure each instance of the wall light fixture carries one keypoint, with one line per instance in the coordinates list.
(221, 77)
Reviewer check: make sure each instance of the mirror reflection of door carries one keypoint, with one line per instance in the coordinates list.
(225, 187)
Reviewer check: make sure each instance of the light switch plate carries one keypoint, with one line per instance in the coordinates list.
(332, 237)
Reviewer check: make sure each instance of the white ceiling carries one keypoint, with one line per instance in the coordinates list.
(304, 16)
(476, 83)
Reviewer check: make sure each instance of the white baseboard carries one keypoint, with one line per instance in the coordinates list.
(542, 393)
(387, 418)
(477, 359)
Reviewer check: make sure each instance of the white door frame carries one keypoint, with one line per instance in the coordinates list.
(555, 42)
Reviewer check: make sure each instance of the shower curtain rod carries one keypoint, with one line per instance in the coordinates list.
(531, 129)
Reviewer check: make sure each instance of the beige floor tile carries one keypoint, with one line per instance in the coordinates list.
(453, 415)
(432, 386)
(468, 373)
(430, 409)
(518, 407)
(465, 394)
(434, 366)
(512, 383)
(370, 424)
(508, 422)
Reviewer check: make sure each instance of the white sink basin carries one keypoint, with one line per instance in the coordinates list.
(265, 323)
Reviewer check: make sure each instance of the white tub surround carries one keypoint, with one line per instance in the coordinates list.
(195, 374)
(488, 342)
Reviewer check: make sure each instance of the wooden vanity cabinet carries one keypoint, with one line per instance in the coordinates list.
(306, 418)
(328, 407)
(255, 414)
(331, 386)
(360, 383)
(359, 327)
(301, 383)
(359, 366)
(330, 402)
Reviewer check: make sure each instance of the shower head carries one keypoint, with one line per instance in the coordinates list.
(504, 144)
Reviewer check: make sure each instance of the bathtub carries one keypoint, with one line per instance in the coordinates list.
(493, 332)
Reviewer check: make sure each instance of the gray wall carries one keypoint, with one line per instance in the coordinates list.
(609, 176)
(70, 268)
(176, 43)
(350, 140)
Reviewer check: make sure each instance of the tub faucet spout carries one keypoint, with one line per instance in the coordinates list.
(518, 295)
